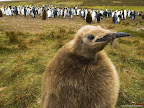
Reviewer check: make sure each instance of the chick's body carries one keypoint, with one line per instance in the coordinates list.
(73, 81)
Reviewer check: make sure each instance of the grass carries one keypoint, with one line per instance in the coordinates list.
(22, 62)
(129, 62)
(137, 8)
(96, 4)
(113, 3)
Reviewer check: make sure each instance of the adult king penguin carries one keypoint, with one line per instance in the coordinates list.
(114, 18)
(81, 75)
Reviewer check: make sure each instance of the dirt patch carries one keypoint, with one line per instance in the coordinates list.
(37, 25)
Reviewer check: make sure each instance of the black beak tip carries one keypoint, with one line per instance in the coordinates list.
(121, 34)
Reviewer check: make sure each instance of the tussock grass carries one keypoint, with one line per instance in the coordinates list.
(22, 45)
(15, 37)
(52, 36)
(71, 31)
(58, 44)
(111, 27)
(2, 46)
(125, 23)
(12, 36)
(62, 30)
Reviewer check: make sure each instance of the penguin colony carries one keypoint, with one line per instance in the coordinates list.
(52, 12)
(81, 75)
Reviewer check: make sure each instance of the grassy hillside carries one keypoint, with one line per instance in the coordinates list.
(27, 45)
(113, 2)
(80, 2)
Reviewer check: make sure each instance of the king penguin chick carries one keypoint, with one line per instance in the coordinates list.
(44, 14)
(81, 75)
(1, 14)
(89, 17)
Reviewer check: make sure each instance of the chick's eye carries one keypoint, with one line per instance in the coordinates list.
(90, 37)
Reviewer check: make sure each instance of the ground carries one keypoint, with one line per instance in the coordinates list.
(28, 44)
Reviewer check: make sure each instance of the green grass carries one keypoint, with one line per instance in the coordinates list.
(113, 3)
(127, 55)
(22, 70)
(137, 8)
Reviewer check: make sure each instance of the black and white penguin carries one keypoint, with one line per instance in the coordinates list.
(114, 18)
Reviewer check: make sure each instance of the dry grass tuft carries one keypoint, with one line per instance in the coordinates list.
(111, 27)
(12, 36)
(58, 44)
(22, 45)
(2, 46)
(52, 34)
(70, 31)
(32, 41)
(123, 56)
(62, 30)
(136, 42)
(125, 23)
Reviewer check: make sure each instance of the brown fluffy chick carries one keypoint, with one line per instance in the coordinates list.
(1, 13)
(81, 75)
(89, 17)
(44, 14)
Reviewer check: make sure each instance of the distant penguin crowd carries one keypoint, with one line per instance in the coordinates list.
(52, 11)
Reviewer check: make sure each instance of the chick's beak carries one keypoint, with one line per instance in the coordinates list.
(120, 34)
(112, 36)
